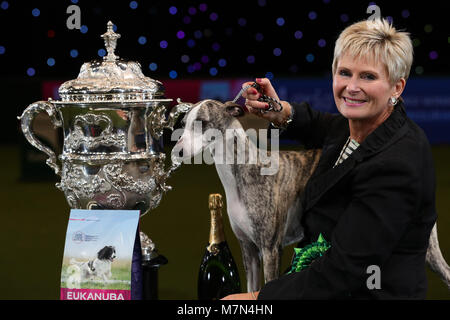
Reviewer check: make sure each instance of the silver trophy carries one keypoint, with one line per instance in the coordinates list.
(112, 118)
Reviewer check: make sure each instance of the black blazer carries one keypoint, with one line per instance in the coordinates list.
(376, 208)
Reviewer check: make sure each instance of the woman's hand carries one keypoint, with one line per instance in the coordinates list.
(255, 107)
(242, 296)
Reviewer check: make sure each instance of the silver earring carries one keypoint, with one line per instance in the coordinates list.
(393, 101)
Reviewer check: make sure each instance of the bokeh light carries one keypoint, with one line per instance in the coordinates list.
(173, 10)
(163, 44)
(298, 34)
(31, 72)
(133, 5)
(36, 12)
(51, 62)
(280, 21)
(74, 53)
(142, 40)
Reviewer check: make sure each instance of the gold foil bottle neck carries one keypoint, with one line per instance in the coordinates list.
(216, 234)
(215, 201)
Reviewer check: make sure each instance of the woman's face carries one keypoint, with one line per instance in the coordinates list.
(362, 89)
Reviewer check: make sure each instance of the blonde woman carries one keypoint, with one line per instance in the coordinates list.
(371, 199)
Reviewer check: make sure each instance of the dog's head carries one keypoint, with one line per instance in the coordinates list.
(206, 118)
(107, 253)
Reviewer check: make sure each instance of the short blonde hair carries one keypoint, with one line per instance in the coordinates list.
(379, 40)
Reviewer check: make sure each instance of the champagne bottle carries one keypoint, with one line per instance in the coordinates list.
(218, 275)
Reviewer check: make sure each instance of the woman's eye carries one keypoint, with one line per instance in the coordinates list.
(369, 76)
(344, 73)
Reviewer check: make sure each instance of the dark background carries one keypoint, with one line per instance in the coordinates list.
(34, 213)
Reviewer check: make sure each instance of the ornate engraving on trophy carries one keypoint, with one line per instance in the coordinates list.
(95, 123)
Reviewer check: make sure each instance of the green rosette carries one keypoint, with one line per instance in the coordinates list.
(305, 256)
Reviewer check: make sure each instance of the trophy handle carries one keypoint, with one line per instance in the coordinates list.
(158, 122)
(27, 118)
(176, 112)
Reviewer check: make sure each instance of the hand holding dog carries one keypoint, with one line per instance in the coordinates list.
(254, 106)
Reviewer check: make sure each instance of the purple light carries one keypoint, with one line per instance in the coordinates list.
(251, 59)
(259, 37)
(187, 19)
(312, 15)
(405, 13)
(280, 21)
(433, 55)
(191, 43)
(277, 52)
(390, 19)
(180, 34)
(190, 68)
(344, 17)
(31, 72)
(242, 22)
(216, 46)
(213, 16)
(192, 11)
(197, 66)
(173, 10)
(298, 34)
(222, 63)
(262, 3)
(205, 59)
(203, 7)
(163, 44)
(322, 43)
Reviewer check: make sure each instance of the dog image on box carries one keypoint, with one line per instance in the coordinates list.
(98, 268)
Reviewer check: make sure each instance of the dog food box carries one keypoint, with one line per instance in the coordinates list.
(101, 256)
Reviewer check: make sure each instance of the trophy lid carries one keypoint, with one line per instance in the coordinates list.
(111, 79)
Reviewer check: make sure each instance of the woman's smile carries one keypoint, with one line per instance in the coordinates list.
(353, 102)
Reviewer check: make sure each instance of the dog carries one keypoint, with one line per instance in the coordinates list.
(99, 267)
(264, 210)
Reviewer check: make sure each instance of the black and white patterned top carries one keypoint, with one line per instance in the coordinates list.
(350, 146)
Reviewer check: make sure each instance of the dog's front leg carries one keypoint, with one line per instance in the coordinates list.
(252, 264)
(272, 263)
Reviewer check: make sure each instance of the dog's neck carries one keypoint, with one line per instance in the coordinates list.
(236, 148)
(238, 156)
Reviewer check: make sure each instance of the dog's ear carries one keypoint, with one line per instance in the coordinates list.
(102, 254)
(234, 109)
